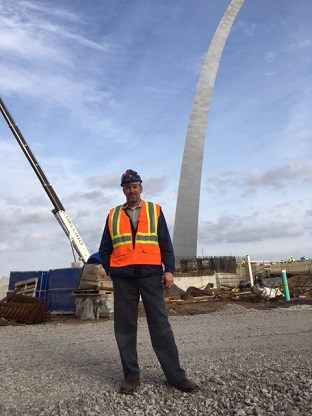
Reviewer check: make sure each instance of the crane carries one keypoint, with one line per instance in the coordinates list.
(59, 212)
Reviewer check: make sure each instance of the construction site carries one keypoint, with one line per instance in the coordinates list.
(102, 85)
(263, 290)
(201, 285)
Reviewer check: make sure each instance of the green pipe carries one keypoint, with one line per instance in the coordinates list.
(285, 285)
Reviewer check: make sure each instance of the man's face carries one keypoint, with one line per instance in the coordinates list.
(133, 193)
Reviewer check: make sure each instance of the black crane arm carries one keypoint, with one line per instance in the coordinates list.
(59, 210)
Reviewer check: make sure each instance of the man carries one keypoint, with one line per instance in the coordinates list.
(136, 252)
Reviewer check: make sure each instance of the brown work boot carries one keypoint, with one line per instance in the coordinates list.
(186, 385)
(129, 386)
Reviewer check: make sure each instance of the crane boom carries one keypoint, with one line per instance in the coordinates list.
(59, 211)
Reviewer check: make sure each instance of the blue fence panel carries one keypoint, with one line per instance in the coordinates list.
(60, 300)
(64, 278)
(61, 284)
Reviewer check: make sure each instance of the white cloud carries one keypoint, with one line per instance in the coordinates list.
(4, 247)
(239, 229)
(270, 57)
(19, 41)
(247, 28)
(305, 43)
(52, 11)
(271, 179)
(280, 176)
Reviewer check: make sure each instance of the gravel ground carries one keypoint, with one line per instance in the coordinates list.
(247, 361)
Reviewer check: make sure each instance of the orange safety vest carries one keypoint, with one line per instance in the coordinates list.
(145, 249)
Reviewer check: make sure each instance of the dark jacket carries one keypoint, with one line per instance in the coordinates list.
(166, 250)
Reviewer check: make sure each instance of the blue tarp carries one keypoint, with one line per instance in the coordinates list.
(55, 287)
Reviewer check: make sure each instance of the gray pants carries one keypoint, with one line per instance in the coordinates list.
(127, 292)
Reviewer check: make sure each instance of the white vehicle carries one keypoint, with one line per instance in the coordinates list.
(59, 211)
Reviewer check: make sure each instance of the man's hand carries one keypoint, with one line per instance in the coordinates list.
(168, 279)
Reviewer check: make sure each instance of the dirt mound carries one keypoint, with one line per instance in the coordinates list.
(300, 286)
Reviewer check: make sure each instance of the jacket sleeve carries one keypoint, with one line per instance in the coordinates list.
(165, 244)
(106, 248)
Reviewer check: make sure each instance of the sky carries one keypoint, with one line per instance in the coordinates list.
(98, 87)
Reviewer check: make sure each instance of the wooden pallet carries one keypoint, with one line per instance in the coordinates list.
(91, 292)
(26, 287)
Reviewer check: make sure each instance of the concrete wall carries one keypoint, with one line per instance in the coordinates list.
(183, 282)
(227, 280)
(219, 280)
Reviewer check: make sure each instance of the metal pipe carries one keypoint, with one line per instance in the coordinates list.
(250, 271)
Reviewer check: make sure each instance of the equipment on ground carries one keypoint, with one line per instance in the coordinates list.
(59, 211)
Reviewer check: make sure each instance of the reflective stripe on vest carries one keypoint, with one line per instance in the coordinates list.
(114, 224)
(151, 236)
(123, 238)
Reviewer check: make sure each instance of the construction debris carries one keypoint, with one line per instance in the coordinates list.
(268, 292)
(264, 289)
(4, 322)
(93, 277)
(194, 292)
(96, 303)
(23, 309)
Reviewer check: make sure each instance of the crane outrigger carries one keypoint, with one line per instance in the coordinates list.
(59, 211)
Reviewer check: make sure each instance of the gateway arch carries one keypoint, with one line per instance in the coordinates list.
(187, 209)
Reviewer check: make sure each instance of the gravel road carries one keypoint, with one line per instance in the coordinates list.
(247, 361)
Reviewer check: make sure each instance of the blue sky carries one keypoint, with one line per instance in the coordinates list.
(98, 87)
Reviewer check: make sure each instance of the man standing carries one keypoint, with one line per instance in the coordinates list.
(136, 252)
